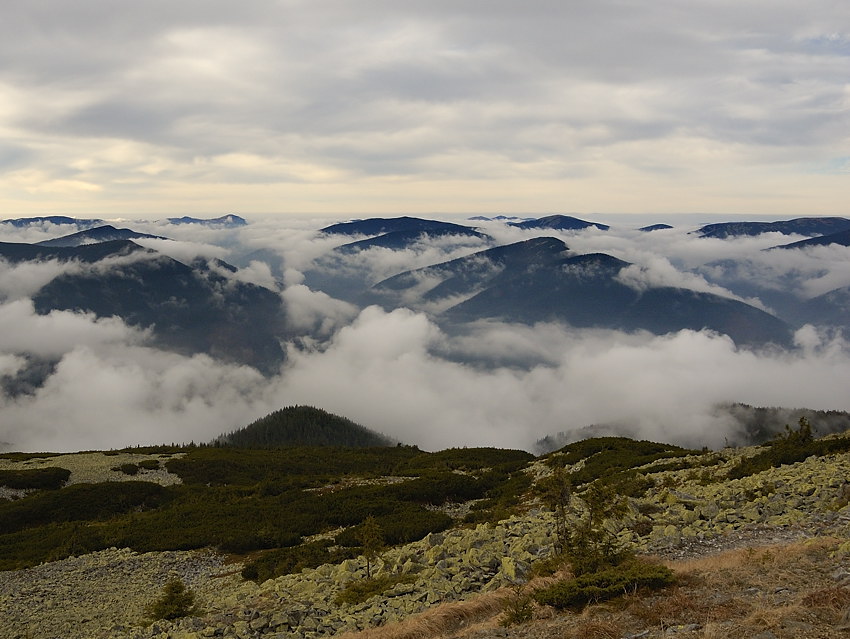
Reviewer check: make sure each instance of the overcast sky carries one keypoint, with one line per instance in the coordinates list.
(209, 106)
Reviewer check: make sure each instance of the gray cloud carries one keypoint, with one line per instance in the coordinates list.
(147, 104)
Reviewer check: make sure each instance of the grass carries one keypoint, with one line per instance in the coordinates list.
(440, 621)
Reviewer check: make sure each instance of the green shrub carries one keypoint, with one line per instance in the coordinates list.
(176, 601)
(605, 584)
(406, 524)
(465, 459)
(80, 502)
(149, 464)
(518, 609)
(276, 563)
(50, 478)
(359, 591)
(439, 487)
(605, 456)
(127, 469)
(789, 448)
(27, 456)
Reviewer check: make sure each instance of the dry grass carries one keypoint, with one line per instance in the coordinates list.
(674, 607)
(835, 598)
(596, 629)
(767, 617)
(740, 593)
(441, 620)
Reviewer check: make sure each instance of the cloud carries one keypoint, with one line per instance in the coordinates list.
(381, 371)
(98, 400)
(59, 332)
(314, 312)
(399, 373)
(202, 107)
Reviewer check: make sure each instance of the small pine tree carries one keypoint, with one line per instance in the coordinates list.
(176, 601)
(582, 523)
(371, 538)
(557, 494)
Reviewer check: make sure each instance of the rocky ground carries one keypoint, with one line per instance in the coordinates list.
(774, 547)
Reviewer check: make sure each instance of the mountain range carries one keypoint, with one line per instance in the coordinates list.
(189, 308)
(200, 307)
(539, 280)
(810, 226)
(97, 234)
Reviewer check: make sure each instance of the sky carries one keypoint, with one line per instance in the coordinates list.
(111, 109)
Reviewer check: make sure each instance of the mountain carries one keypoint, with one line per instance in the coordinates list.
(558, 223)
(190, 308)
(380, 226)
(655, 227)
(841, 238)
(400, 240)
(538, 281)
(303, 426)
(16, 253)
(58, 220)
(106, 233)
(225, 220)
(497, 218)
(800, 226)
(830, 309)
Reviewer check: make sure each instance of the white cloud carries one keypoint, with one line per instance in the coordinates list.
(381, 372)
(58, 332)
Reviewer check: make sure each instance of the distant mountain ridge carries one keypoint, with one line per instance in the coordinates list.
(190, 308)
(753, 425)
(105, 233)
(379, 226)
(399, 240)
(58, 220)
(17, 252)
(539, 281)
(225, 220)
(799, 226)
(559, 223)
(841, 238)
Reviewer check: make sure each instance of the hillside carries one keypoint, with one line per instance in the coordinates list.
(763, 554)
(302, 426)
(539, 280)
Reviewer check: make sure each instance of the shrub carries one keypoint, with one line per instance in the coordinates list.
(176, 601)
(519, 609)
(149, 464)
(371, 538)
(791, 447)
(605, 584)
(359, 591)
(583, 524)
(275, 563)
(50, 478)
(127, 469)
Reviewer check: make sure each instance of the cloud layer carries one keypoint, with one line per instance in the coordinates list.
(451, 106)
(399, 373)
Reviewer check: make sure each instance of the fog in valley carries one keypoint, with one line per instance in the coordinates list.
(72, 381)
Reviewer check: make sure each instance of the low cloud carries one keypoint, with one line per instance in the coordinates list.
(59, 332)
(381, 371)
(399, 373)
(97, 400)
